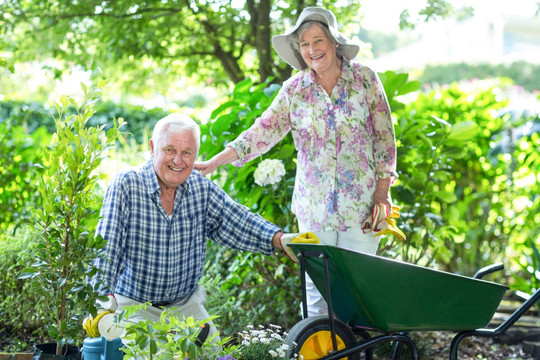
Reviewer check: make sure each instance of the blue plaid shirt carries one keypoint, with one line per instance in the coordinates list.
(151, 257)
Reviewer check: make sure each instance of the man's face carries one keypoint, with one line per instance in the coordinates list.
(173, 156)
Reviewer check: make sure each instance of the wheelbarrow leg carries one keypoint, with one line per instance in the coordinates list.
(501, 329)
(398, 349)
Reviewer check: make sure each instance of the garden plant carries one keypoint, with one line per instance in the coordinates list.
(65, 245)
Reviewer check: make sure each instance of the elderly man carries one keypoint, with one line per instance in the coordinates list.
(157, 219)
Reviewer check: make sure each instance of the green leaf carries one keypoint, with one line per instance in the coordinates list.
(223, 123)
(464, 130)
(223, 107)
(446, 196)
(242, 88)
(28, 273)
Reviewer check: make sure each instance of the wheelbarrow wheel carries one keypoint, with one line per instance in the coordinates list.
(312, 338)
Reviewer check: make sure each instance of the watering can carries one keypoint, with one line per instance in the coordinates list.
(100, 348)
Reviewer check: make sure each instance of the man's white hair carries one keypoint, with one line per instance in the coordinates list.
(176, 123)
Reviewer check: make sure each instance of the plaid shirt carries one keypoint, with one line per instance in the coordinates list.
(153, 257)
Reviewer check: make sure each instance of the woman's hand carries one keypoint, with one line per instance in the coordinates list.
(381, 194)
(206, 167)
(227, 156)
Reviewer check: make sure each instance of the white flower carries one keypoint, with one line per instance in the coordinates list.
(281, 353)
(269, 172)
(273, 353)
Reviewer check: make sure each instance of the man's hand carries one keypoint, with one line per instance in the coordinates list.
(295, 238)
(90, 324)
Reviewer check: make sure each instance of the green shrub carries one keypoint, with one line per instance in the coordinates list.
(22, 312)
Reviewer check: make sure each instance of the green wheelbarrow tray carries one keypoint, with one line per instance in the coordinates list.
(373, 292)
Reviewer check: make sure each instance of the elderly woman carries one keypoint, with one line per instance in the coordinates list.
(343, 132)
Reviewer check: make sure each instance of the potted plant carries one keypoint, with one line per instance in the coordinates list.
(65, 222)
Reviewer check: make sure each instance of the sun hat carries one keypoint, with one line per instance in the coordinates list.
(284, 47)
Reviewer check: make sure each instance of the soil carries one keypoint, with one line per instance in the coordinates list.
(436, 346)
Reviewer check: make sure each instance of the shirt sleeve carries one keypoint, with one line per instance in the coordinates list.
(112, 228)
(233, 225)
(384, 141)
(266, 132)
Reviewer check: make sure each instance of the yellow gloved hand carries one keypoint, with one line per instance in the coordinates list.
(395, 212)
(90, 324)
(306, 238)
(391, 227)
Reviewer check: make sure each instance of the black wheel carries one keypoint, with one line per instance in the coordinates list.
(312, 339)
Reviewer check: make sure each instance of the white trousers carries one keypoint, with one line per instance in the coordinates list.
(190, 306)
(353, 239)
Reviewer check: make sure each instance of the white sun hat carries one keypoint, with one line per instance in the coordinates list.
(284, 47)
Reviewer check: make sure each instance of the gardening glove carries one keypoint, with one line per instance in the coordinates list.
(392, 229)
(377, 221)
(388, 225)
(382, 221)
(90, 324)
(295, 238)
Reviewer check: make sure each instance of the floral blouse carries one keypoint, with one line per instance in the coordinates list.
(345, 143)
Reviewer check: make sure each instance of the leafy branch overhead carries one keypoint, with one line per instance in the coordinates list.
(207, 38)
(213, 41)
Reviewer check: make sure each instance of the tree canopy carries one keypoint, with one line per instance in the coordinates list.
(212, 41)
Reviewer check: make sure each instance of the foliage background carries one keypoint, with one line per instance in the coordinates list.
(468, 190)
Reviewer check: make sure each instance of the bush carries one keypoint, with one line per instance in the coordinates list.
(22, 312)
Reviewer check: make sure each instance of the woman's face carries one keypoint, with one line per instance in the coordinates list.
(317, 50)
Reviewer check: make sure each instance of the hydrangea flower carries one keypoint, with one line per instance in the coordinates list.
(269, 172)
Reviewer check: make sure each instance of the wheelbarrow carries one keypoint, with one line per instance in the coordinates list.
(371, 294)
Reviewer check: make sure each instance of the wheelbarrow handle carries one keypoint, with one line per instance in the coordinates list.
(488, 270)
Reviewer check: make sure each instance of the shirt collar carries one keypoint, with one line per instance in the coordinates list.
(308, 75)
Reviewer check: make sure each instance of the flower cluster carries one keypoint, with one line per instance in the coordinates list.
(263, 343)
(269, 172)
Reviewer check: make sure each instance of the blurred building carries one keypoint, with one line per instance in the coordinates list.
(499, 32)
